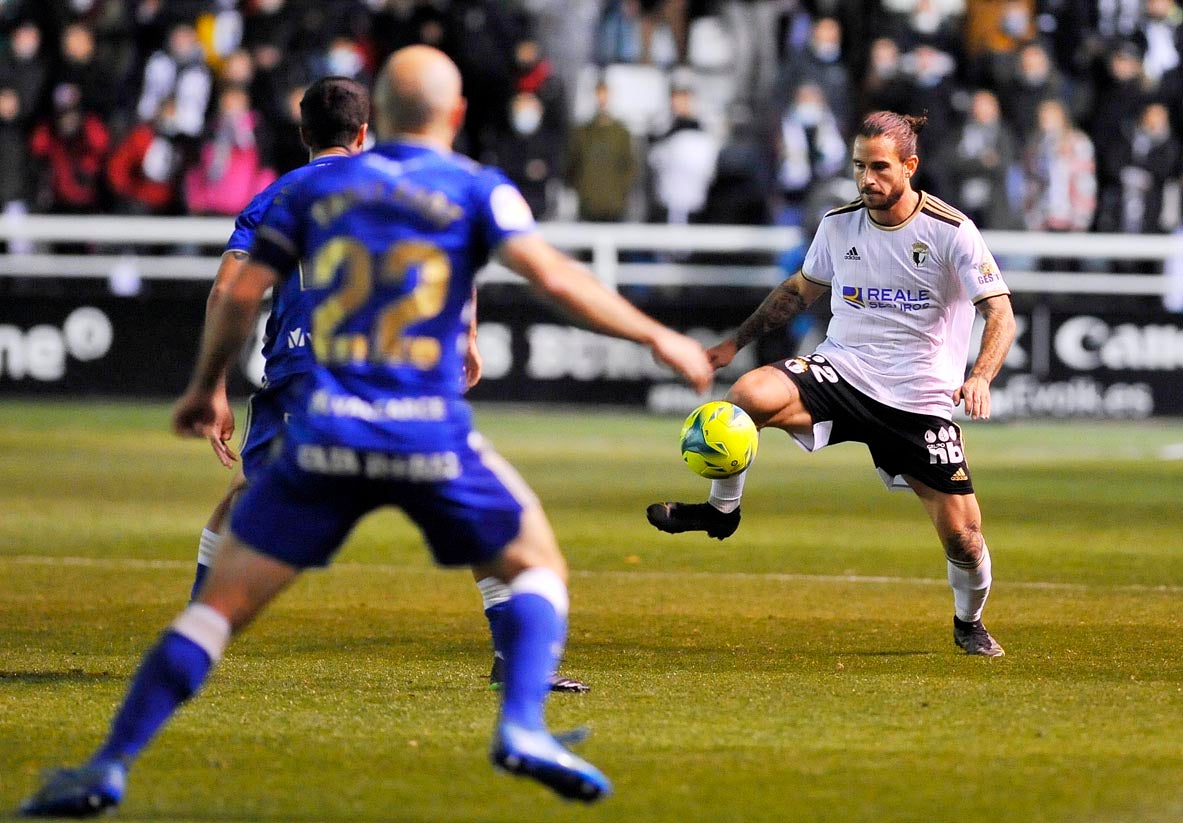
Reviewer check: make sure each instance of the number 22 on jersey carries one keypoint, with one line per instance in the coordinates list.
(385, 343)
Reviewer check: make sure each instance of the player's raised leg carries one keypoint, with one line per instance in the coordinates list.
(533, 631)
(772, 400)
(958, 521)
(241, 582)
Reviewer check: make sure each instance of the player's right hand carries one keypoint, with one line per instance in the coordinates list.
(686, 356)
(194, 414)
(721, 354)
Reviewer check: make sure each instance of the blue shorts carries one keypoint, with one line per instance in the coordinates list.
(301, 507)
(263, 436)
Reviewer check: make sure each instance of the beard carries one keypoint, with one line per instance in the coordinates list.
(882, 202)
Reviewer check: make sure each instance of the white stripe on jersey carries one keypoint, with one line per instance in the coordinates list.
(902, 298)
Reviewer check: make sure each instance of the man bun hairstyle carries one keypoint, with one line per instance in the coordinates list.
(901, 128)
(332, 112)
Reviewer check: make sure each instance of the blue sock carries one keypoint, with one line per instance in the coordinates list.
(169, 675)
(533, 637)
(197, 580)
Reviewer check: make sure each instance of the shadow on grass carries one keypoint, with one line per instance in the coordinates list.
(68, 676)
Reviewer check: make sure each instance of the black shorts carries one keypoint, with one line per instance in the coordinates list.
(922, 446)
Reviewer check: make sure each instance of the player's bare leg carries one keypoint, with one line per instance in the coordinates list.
(215, 528)
(534, 631)
(772, 400)
(958, 521)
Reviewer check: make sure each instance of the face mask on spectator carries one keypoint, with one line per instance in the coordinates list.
(527, 120)
(808, 114)
(926, 21)
(344, 61)
(826, 52)
(1015, 21)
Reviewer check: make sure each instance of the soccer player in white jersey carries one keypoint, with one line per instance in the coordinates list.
(905, 273)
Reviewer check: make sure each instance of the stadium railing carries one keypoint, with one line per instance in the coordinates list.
(184, 248)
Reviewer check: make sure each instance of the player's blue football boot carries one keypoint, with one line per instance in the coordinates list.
(538, 755)
(82, 792)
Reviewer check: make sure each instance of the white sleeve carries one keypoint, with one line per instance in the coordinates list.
(818, 267)
(974, 266)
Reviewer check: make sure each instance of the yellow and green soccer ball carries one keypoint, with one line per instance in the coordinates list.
(719, 440)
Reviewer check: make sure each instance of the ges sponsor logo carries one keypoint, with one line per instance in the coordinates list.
(987, 273)
(872, 297)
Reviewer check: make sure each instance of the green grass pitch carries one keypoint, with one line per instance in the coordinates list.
(802, 671)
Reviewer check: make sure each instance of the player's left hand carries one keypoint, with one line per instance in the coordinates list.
(975, 391)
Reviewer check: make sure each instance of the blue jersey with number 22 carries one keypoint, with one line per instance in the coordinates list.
(388, 244)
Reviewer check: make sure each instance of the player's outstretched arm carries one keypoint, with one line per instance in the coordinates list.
(996, 339)
(223, 426)
(227, 328)
(472, 354)
(574, 289)
(783, 303)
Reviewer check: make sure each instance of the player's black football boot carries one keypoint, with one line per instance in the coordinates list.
(974, 638)
(558, 683)
(675, 518)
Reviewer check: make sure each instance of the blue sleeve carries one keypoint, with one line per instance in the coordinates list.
(277, 237)
(500, 210)
(243, 236)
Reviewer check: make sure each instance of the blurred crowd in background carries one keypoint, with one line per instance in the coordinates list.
(1053, 115)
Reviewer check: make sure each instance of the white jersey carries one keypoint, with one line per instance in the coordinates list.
(903, 299)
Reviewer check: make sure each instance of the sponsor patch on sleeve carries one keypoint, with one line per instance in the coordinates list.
(510, 209)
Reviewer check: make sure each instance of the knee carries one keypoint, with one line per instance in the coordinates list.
(759, 394)
(964, 545)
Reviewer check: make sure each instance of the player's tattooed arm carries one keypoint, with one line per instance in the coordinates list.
(785, 302)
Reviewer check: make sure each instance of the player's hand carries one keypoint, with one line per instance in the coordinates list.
(472, 365)
(222, 430)
(194, 414)
(721, 354)
(686, 356)
(975, 392)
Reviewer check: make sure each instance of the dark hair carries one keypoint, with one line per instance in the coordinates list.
(332, 112)
(901, 128)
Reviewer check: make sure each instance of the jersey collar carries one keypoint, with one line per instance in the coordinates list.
(919, 206)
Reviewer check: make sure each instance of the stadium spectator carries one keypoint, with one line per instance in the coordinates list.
(820, 64)
(400, 23)
(741, 192)
(884, 87)
(935, 22)
(535, 75)
(810, 150)
(618, 35)
(343, 58)
(95, 76)
(14, 182)
(601, 164)
(25, 69)
(177, 73)
(1119, 97)
(73, 144)
(230, 169)
(1145, 159)
(530, 154)
(682, 162)
(981, 161)
(145, 169)
(285, 151)
(1033, 80)
(931, 88)
(1161, 29)
(994, 32)
(754, 25)
(1060, 173)
(664, 30)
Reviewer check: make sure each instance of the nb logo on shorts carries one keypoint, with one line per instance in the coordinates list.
(944, 447)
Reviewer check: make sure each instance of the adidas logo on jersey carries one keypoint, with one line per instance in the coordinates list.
(852, 254)
(960, 474)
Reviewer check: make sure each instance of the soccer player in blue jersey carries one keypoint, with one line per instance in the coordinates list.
(334, 116)
(389, 244)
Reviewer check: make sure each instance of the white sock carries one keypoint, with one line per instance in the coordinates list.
(207, 547)
(971, 586)
(206, 627)
(726, 493)
(544, 583)
(493, 592)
